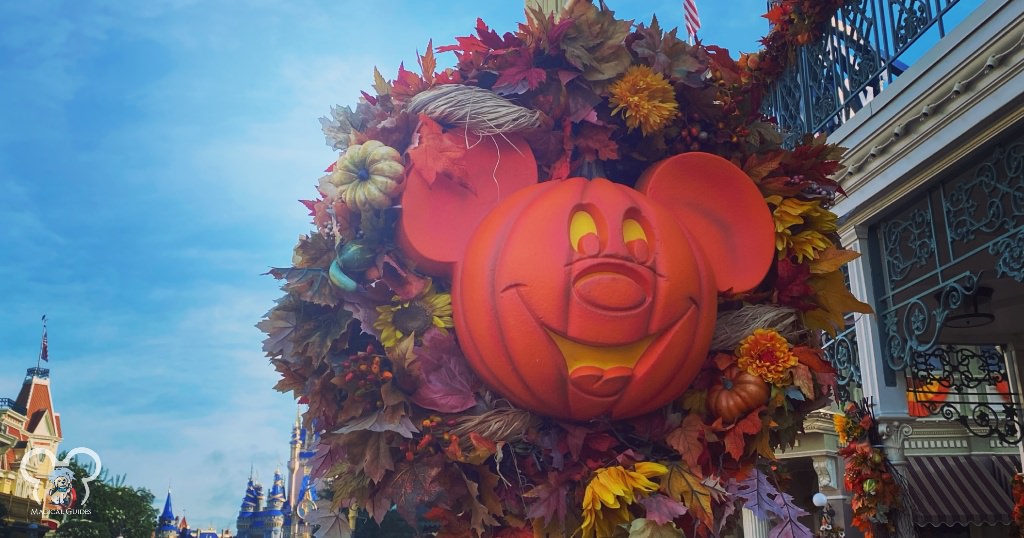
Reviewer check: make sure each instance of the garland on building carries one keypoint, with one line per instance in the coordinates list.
(877, 497)
(367, 340)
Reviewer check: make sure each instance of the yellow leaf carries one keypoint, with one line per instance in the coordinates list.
(834, 301)
(831, 259)
(380, 85)
(695, 401)
(685, 487)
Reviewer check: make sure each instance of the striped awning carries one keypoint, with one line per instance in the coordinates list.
(961, 490)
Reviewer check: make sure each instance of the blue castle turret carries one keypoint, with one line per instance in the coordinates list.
(166, 527)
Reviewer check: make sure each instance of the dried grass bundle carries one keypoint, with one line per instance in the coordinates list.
(481, 111)
(735, 325)
(503, 424)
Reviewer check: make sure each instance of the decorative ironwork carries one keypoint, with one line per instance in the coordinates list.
(915, 325)
(8, 403)
(841, 351)
(908, 244)
(855, 59)
(1011, 256)
(937, 251)
(968, 385)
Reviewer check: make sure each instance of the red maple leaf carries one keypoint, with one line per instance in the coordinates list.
(519, 77)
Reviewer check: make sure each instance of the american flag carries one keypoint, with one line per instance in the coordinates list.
(44, 348)
(692, 18)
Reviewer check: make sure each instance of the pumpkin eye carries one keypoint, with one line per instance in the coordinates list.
(635, 239)
(583, 233)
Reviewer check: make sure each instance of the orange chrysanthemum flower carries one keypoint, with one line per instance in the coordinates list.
(766, 353)
(644, 98)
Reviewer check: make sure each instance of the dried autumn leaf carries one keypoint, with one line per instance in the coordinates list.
(314, 250)
(329, 523)
(735, 442)
(812, 358)
(436, 156)
(279, 324)
(317, 328)
(803, 380)
(595, 42)
(661, 509)
(834, 301)
(428, 63)
(291, 380)
(689, 440)
(832, 259)
(682, 485)
(480, 517)
(309, 284)
(758, 166)
(667, 54)
(447, 384)
(646, 528)
(380, 85)
(416, 484)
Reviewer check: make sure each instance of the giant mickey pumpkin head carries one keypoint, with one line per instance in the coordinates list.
(585, 298)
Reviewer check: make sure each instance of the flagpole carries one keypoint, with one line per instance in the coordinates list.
(42, 345)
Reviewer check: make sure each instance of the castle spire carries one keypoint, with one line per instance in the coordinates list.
(276, 499)
(166, 527)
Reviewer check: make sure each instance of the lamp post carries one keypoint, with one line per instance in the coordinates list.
(825, 528)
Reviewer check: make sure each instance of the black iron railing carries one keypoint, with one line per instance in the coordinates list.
(42, 373)
(8, 403)
(868, 45)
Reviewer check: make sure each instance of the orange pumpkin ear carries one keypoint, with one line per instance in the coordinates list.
(723, 211)
(454, 179)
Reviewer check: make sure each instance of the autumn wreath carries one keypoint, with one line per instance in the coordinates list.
(366, 335)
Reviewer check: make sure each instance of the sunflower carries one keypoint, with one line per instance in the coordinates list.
(801, 227)
(644, 98)
(611, 491)
(401, 318)
(766, 353)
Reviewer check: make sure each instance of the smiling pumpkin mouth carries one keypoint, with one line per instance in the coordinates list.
(600, 371)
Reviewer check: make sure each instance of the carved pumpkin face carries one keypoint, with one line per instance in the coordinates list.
(566, 300)
(585, 298)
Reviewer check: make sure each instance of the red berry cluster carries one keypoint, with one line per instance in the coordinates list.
(363, 374)
(437, 435)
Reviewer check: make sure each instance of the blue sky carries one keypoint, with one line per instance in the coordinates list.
(151, 156)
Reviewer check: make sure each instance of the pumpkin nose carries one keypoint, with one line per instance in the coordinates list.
(610, 291)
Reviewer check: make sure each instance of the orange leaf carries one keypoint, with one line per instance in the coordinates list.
(688, 440)
(735, 443)
(812, 358)
(428, 63)
(435, 154)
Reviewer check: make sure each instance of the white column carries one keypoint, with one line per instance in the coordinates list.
(888, 400)
(754, 527)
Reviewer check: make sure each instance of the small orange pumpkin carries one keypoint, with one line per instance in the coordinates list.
(737, 394)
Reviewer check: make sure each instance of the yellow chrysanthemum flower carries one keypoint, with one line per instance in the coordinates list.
(611, 491)
(766, 353)
(801, 227)
(839, 423)
(644, 98)
(402, 318)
